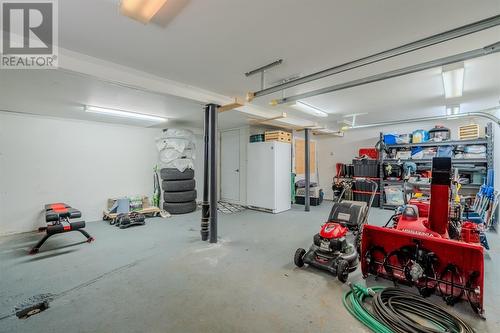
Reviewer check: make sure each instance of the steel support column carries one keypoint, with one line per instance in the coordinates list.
(212, 110)
(307, 170)
(205, 206)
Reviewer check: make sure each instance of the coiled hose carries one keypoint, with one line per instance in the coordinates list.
(353, 301)
(391, 309)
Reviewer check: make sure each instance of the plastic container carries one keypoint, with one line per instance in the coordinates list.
(403, 154)
(403, 138)
(417, 153)
(445, 151)
(257, 138)
(313, 201)
(470, 232)
(439, 133)
(394, 195)
(429, 153)
(390, 139)
(392, 170)
(420, 136)
(477, 178)
(365, 168)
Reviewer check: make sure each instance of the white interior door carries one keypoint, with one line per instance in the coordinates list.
(230, 166)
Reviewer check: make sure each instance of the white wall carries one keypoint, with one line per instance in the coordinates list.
(332, 150)
(44, 160)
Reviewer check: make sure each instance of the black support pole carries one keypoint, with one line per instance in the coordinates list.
(205, 206)
(307, 170)
(212, 109)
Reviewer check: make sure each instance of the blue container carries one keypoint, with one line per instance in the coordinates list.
(390, 139)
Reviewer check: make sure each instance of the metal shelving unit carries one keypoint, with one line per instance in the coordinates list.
(487, 162)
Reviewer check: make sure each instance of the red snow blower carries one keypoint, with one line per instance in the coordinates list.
(418, 251)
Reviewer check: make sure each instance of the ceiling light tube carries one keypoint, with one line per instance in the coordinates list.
(310, 109)
(452, 110)
(123, 114)
(141, 10)
(453, 80)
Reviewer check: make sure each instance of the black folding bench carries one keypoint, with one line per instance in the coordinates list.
(57, 216)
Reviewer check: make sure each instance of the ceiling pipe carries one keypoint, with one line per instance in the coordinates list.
(413, 46)
(481, 114)
(490, 49)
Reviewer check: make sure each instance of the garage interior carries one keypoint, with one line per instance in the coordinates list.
(269, 166)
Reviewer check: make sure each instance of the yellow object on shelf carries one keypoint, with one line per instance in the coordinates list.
(470, 132)
(278, 136)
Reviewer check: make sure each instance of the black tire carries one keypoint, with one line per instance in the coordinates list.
(179, 207)
(298, 259)
(179, 196)
(178, 185)
(174, 174)
(342, 270)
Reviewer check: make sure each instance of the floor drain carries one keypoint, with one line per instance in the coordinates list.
(33, 306)
(32, 310)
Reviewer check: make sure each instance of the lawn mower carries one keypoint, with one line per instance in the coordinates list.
(330, 249)
(418, 251)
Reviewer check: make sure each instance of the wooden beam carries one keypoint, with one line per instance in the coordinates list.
(262, 121)
(238, 102)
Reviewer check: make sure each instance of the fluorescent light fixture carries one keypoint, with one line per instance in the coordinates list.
(308, 108)
(328, 131)
(141, 10)
(123, 114)
(452, 110)
(453, 80)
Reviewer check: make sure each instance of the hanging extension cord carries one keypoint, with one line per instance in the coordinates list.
(391, 308)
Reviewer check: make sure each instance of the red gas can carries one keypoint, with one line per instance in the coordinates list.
(470, 232)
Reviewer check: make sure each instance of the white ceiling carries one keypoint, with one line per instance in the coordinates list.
(64, 94)
(210, 44)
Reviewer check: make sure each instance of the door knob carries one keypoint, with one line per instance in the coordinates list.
(237, 170)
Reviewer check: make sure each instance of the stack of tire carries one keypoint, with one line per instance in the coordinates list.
(179, 194)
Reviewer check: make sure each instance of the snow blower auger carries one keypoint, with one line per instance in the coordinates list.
(417, 251)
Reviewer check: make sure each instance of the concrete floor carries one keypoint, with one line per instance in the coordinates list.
(162, 278)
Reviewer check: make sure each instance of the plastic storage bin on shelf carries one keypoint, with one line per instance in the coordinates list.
(439, 133)
(420, 136)
(257, 138)
(390, 139)
(366, 168)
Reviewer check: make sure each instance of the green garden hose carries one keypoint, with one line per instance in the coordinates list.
(390, 308)
(353, 301)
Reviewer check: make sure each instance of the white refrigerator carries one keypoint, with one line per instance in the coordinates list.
(269, 167)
